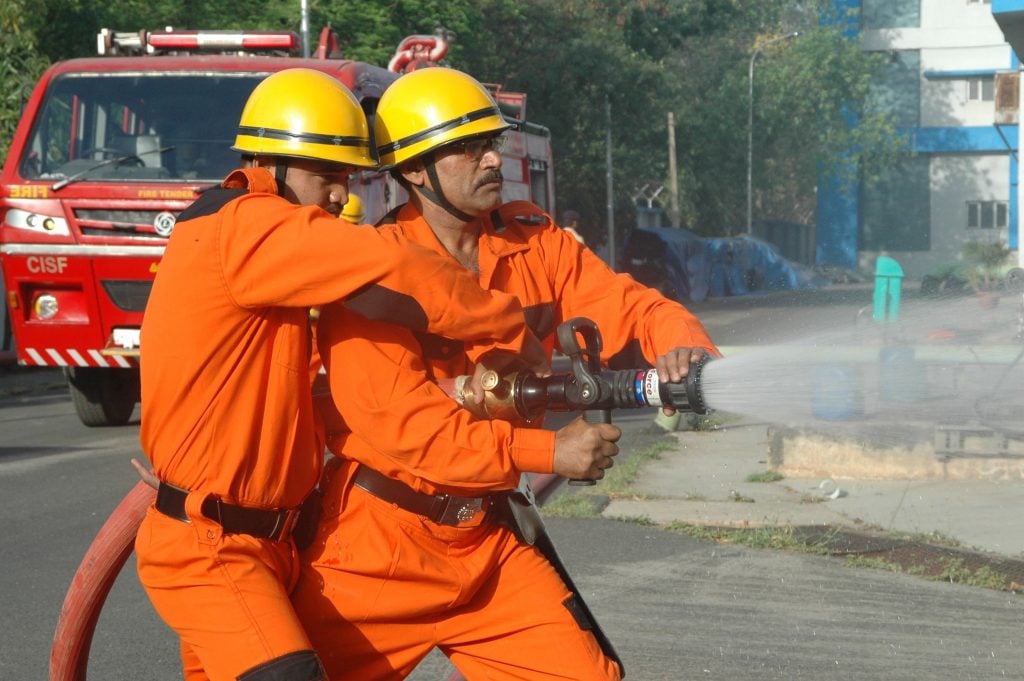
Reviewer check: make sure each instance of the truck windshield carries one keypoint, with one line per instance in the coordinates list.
(152, 127)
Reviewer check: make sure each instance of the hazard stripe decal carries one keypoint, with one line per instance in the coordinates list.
(57, 359)
(75, 357)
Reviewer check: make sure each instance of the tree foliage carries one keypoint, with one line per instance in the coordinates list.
(641, 58)
(20, 66)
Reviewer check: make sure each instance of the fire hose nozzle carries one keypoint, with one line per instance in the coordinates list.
(525, 396)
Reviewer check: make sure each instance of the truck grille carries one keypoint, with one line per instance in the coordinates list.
(129, 295)
(100, 222)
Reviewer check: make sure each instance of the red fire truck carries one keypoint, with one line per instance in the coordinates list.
(111, 149)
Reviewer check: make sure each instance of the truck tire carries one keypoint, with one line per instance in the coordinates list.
(103, 397)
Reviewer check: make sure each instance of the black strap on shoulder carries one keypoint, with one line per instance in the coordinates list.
(391, 217)
(280, 173)
(497, 221)
(209, 202)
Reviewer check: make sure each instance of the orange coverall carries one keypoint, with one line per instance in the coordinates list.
(226, 403)
(381, 586)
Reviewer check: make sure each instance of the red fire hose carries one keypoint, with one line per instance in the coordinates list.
(107, 554)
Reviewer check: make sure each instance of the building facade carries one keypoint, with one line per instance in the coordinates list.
(949, 72)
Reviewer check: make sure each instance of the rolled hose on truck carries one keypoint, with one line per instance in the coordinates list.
(109, 551)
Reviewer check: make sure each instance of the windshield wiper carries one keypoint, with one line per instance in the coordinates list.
(57, 186)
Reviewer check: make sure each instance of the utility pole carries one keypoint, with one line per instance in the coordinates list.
(608, 181)
(750, 126)
(673, 181)
(304, 23)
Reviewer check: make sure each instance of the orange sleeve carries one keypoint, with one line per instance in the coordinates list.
(622, 308)
(402, 424)
(274, 253)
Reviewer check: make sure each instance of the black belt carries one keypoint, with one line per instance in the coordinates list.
(443, 509)
(257, 522)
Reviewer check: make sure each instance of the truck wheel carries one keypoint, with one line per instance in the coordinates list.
(103, 397)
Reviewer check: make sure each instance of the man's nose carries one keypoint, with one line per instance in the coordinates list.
(339, 194)
(491, 159)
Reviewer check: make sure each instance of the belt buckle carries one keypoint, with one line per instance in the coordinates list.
(286, 521)
(458, 510)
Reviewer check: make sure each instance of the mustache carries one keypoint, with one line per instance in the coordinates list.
(490, 176)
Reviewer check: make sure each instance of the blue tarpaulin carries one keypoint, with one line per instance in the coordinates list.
(683, 265)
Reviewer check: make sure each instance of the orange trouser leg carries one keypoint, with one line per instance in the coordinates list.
(517, 627)
(191, 666)
(381, 587)
(226, 596)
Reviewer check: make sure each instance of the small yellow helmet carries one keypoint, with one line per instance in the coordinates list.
(305, 113)
(353, 210)
(430, 107)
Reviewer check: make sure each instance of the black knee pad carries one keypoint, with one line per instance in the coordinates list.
(303, 665)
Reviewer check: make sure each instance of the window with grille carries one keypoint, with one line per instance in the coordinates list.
(987, 214)
(981, 89)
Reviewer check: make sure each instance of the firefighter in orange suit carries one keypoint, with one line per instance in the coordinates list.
(409, 555)
(227, 414)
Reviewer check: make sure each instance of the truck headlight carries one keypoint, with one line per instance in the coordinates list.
(36, 222)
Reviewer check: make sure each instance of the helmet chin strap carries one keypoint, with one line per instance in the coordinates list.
(438, 196)
(280, 172)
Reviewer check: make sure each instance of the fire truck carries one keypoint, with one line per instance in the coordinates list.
(109, 151)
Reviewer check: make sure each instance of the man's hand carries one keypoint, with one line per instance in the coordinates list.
(534, 358)
(674, 366)
(146, 474)
(583, 451)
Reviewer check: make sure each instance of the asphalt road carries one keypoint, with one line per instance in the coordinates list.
(675, 607)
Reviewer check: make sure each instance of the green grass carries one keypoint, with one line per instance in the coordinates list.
(587, 502)
(873, 563)
(766, 476)
(636, 520)
(619, 478)
(985, 577)
(752, 537)
(571, 506)
(936, 538)
(952, 570)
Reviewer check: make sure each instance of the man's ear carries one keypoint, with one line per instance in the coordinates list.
(413, 172)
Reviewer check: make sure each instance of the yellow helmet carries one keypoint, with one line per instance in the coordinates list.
(353, 210)
(305, 113)
(430, 107)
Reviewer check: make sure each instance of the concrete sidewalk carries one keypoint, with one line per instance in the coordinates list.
(925, 508)
(703, 479)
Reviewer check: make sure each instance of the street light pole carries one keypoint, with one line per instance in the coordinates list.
(750, 126)
(304, 24)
